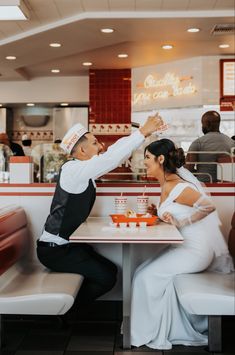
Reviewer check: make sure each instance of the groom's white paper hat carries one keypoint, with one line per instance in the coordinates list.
(72, 136)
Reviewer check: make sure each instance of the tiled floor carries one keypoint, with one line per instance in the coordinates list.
(91, 336)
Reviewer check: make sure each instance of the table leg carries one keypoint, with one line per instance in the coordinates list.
(126, 292)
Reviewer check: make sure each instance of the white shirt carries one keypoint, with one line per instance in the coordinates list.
(75, 174)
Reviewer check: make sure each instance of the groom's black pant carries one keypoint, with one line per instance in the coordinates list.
(80, 258)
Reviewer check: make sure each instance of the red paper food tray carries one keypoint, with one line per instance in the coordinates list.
(121, 218)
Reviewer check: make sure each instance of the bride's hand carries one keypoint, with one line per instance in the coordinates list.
(168, 218)
(152, 209)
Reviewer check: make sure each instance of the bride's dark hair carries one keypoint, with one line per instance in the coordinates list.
(174, 157)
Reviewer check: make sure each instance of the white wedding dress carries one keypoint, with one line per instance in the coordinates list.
(157, 318)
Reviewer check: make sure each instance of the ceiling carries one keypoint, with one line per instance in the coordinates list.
(141, 28)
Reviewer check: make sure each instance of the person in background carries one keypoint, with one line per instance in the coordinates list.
(213, 140)
(73, 200)
(26, 143)
(15, 148)
(158, 320)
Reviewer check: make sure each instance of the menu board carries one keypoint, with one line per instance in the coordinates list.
(227, 71)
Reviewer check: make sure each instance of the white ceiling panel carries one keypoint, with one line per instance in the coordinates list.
(9, 28)
(175, 5)
(68, 8)
(28, 25)
(201, 4)
(94, 5)
(148, 5)
(46, 13)
(224, 4)
(122, 5)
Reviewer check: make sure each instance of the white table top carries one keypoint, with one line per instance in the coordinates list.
(98, 230)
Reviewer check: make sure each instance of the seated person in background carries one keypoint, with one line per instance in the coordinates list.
(26, 143)
(73, 200)
(15, 148)
(157, 318)
(213, 140)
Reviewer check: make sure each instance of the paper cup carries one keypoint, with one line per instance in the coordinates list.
(132, 224)
(120, 205)
(122, 225)
(142, 204)
(143, 224)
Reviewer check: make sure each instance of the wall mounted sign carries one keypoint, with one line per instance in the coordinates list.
(168, 85)
(154, 87)
(227, 84)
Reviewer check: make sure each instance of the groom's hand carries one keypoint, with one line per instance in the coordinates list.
(152, 124)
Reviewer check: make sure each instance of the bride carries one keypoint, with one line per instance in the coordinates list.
(157, 318)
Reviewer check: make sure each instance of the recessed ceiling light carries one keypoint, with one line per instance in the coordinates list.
(224, 45)
(193, 30)
(167, 46)
(30, 104)
(122, 55)
(87, 64)
(10, 57)
(64, 104)
(55, 70)
(107, 30)
(55, 45)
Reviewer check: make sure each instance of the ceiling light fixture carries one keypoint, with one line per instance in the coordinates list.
(107, 30)
(122, 55)
(30, 104)
(13, 10)
(193, 30)
(64, 104)
(167, 46)
(87, 64)
(55, 45)
(224, 45)
(55, 70)
(10, 57)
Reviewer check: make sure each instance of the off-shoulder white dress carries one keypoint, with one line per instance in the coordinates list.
(157, 318)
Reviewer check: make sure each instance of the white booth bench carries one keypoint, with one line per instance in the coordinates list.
(211, 294)
(25, 287)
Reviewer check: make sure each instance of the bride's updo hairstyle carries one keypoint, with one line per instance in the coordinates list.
(174, 157)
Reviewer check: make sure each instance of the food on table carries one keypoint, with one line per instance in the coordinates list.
(146, 215)
(131, 214)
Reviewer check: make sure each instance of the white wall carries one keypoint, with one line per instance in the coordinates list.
(61, 89)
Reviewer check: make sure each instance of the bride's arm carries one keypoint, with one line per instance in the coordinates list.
(202, 206)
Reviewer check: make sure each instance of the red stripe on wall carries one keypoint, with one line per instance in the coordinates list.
(127, 194)
(100, 184)
(104, 194)
(155, 194)
(35, 184)
(26, 193)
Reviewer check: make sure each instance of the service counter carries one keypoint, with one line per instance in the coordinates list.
(36, 200)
